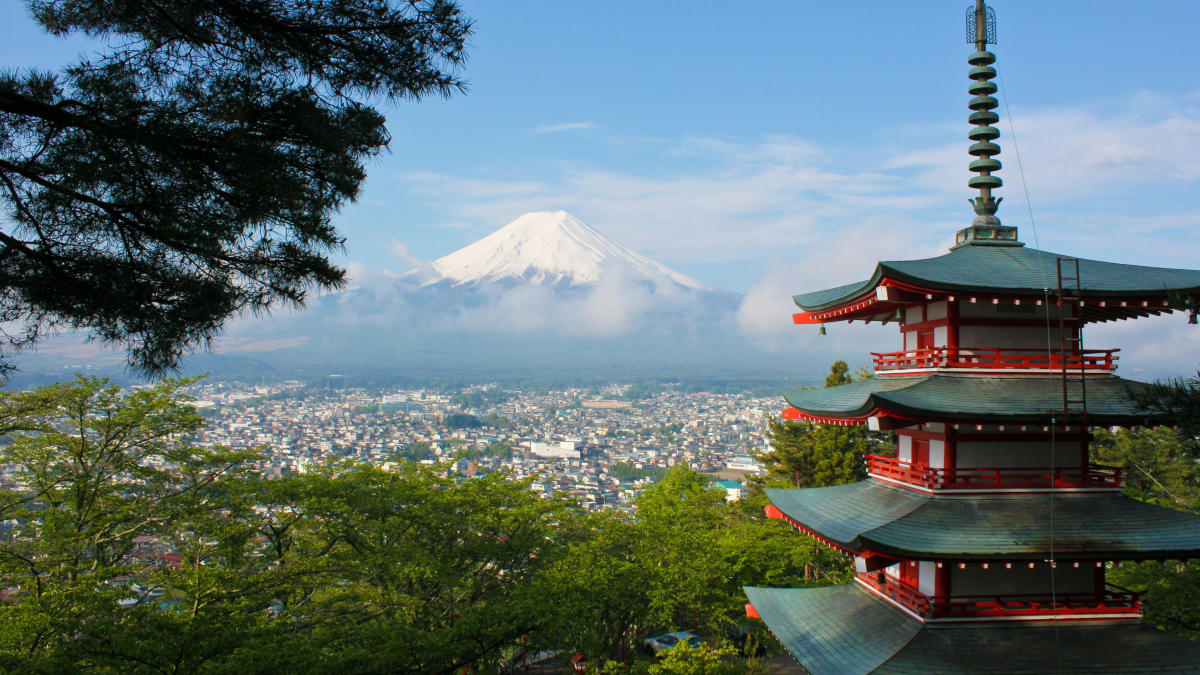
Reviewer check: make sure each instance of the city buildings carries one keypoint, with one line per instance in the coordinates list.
(603, 455)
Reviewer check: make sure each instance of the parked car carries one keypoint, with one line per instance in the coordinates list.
(661, 643)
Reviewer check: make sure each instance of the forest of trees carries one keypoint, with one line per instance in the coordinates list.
(125, 549)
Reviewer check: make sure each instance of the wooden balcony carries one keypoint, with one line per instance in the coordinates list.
(1113, 601)
(995, 358)
(985, 478)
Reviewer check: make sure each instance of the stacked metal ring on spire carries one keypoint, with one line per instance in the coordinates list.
(983, 104)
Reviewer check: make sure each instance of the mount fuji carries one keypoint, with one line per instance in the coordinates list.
(543, 295)
(554, 249)
(545, 291)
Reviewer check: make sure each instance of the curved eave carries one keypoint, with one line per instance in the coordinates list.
(1110, 291)
(872, 515)
(846, 630)
(968, 398)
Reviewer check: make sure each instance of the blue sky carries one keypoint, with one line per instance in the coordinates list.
(772, 148)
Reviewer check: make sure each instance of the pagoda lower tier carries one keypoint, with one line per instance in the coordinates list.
(846, 630)
(879, 517)
(974, 562)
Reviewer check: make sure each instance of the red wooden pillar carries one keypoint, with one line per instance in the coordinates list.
(952, 330)
(949, 455)
(941, 584)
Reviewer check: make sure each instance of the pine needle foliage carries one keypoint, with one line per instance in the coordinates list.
(189, 172)
(805, 454)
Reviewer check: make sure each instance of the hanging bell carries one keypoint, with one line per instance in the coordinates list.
(899, 314)
(821, 330)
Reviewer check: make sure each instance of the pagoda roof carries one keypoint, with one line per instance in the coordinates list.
(873, 515)
(1011, 271)
(969, 397)
(846, 630)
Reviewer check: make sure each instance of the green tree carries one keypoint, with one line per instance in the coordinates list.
(416, 451)
(1160, 466)
(462, 421)
(419, 572)
(191, 172)
(600, 589)
(805, 454)
(683, 659)
(102, 479)
(130, 550)
(680, 562)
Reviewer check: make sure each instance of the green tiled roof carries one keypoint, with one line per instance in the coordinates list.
(834, 629)
(845, 630)
(1091, 526)
(1015, 270)
(975, 398)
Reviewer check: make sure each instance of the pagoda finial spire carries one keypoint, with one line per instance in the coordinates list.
(981, 30)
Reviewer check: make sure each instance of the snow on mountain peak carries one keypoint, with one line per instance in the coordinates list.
(555, 247)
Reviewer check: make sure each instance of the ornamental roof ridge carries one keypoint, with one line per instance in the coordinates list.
(986, 228)
(1012, 271)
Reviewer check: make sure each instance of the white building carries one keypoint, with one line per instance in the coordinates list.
(744, 463)
(556, 449)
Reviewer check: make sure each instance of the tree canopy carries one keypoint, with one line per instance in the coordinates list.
(1162, 465)
(190, 171)
(125, 548)
(804, 454)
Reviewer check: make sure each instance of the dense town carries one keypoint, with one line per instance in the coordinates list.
(601, 445)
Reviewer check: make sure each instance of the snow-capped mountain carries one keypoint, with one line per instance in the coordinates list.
(553, 249)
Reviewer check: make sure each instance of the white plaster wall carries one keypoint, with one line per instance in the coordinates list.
(940, 336)
(937, 453)
(936, 310)
(904, 448)
(925, 582)
(912, 314)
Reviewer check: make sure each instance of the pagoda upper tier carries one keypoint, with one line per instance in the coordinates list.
(1004, 271)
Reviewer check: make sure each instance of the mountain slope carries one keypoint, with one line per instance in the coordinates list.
(553, 249)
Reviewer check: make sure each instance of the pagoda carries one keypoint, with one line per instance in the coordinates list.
(982, 546)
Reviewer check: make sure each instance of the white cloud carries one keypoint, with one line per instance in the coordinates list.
(423, 269)
(723, 200)
(570, 126)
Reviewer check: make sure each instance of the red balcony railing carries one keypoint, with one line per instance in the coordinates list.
(995, 357)
(1114, 600)
(1015, 478)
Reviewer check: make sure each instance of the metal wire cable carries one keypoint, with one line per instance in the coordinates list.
(1049, 360)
